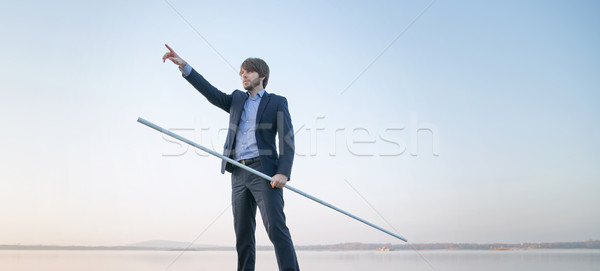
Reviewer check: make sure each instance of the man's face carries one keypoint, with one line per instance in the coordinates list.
(250, 80)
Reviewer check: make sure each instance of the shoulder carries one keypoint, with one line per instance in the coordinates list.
(280, 102)
(277, 98)
(238, 92)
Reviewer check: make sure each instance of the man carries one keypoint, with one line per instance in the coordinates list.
(255, 117)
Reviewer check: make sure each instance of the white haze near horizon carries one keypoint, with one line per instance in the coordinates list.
(505, 94)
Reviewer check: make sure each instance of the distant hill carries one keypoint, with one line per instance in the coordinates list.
(166, 244)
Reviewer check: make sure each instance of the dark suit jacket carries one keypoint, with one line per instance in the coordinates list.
(273, 117)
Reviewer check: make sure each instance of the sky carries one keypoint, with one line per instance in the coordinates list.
(445, 121)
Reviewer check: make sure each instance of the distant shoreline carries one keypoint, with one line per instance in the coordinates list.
(590, 244)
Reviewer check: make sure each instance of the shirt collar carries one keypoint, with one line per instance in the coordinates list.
(258, 94)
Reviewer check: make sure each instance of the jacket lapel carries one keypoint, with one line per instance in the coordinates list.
(238, 107)
(261, 107)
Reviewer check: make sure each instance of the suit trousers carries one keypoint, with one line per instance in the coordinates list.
(248, 192)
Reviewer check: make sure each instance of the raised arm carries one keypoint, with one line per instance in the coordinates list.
(212, 94)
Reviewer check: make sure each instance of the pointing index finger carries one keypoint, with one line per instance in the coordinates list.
(171, 50)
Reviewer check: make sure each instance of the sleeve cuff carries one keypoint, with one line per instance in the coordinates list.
(185, 71)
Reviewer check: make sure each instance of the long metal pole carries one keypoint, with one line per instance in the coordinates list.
(264, 176)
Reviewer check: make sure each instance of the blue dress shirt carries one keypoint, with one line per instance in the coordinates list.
(245, 137)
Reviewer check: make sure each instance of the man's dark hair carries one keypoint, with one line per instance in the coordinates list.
(256, 65)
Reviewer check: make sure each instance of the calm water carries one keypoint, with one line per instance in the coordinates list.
(547, 260)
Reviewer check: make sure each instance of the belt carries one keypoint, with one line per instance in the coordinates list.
(249, 161)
